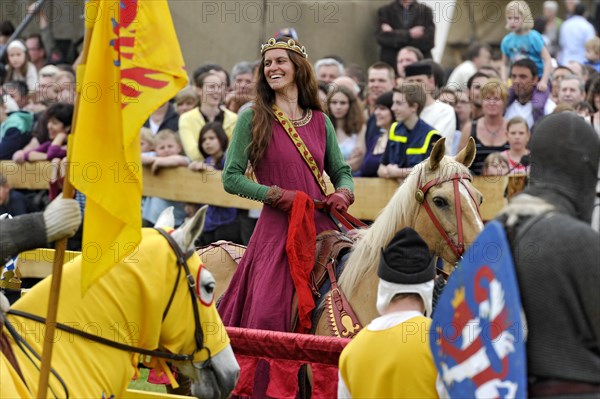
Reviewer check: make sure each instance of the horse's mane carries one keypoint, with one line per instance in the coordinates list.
(399, 212)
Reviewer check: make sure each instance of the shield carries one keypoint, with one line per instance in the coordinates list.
(477, 337)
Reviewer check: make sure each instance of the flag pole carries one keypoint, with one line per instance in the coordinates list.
(60, 247)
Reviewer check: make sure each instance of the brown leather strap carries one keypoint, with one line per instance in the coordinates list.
(459, 247)
(342, 319)
(343, 220)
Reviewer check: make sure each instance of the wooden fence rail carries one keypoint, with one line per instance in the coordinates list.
(181, 184)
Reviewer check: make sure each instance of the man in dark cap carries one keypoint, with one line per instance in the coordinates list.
(390, 358)
(557, 259)
(435, 113)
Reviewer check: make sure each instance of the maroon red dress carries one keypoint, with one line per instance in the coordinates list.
(261, 290)
(260, 293)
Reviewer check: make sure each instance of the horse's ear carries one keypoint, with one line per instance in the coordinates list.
(166, 219)
(466, 156)
(438, 152)
(186, 235)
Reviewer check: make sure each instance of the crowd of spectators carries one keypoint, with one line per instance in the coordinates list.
(543, 65)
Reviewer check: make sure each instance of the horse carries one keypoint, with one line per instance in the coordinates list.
(437, 200)
(156, 304)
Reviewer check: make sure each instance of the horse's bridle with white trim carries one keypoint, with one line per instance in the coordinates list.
(457, 248)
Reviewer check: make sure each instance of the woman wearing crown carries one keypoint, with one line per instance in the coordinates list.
(290, 143)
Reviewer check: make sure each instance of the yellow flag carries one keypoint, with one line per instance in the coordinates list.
(134, 65)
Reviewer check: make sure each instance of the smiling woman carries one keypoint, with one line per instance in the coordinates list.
(209, 89)
(289, 143)
(489, 131)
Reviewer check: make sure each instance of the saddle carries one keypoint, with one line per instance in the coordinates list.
(331, 246)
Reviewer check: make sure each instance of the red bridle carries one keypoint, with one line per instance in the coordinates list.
(457, 248)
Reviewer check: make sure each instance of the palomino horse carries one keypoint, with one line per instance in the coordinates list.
(449, 201)
(438, 201)
(149, 304)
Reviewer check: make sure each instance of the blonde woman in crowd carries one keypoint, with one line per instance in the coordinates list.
(489, 131)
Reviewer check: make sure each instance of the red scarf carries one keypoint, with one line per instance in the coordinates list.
(300, 247)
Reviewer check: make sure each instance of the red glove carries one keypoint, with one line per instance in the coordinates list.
(285, 201)
(340, 200)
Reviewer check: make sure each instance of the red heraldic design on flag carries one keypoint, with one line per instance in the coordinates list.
(125, 77)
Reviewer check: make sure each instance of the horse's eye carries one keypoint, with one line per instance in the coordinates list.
(206, 287)
(210, 288)
(480, 199)
(440, 202)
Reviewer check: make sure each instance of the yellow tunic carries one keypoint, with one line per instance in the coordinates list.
(391, 363)
(11, 385)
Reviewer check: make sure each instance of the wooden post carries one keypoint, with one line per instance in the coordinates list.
(60, 247)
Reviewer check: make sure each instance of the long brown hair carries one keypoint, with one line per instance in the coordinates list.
(308, 97)
(354, 119)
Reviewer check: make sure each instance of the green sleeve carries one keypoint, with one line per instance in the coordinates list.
(236, 162)
(336, 167)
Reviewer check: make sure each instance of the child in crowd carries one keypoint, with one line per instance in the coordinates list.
(524, 42)
(19, 66)
(18, 91)
(147, 142)
(495, 164)
(59, 118)
(410, 140)
(592, 53)
(518, 135)
(168, 155)
(65, 85)
(186, 100)
(220, 223)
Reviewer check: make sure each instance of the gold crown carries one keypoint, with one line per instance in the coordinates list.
(289, 45)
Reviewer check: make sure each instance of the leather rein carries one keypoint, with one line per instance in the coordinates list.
(191, 282)
(457, 248)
